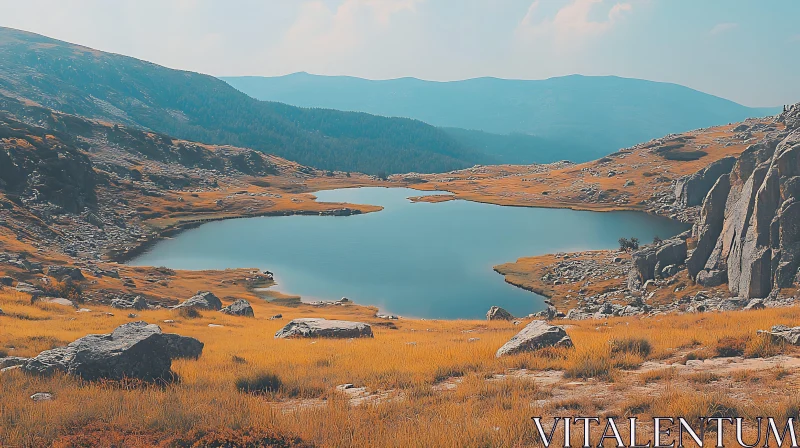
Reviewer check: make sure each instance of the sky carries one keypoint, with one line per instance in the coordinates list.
(743, 50)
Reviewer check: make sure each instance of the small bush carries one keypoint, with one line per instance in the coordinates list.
(259, 384)
(590, 365)
(702, 377)
(628, 244)
(731, 346)
(189, 313)
(635, 346)
(763, 346)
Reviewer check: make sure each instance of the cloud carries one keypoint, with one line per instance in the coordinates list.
(571, 23)
(321, 33)
(721, 28)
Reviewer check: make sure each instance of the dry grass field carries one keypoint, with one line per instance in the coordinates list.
(417, 383)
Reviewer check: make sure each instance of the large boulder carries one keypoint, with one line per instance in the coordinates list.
(497, 313)
(134, 350)
(6, 281)
(323, 328)
(648, 262)
(59, 272)
(203, 300)
(706, 232)
(27, 288)
(536, 335)
(240, 307)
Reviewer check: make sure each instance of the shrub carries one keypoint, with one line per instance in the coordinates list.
(763, 346)
(731, 346)
(189, 313)
(590, 365)
(628, 244)
(636, 346)
(259, 383)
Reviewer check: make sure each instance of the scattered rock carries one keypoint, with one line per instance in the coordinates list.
(497, 313)
(57, 301)
(60, 272)
(276, 317)
(240, 307)
(6, 281)
(12, 361)
(203, 300)
(536, 335)
(27, 288)
(323, 328)
(755, 304)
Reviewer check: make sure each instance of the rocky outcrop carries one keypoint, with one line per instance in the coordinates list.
(323, 328)
(497, 313)
(60, 272)
(240, 307)
(203, 300)
(134, 350)
(691, 190)
(650, 262)
(136, 303)
(536, 335)
(756, 248)
(782, 333)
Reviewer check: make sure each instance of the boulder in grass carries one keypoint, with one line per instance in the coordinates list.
(136, 303)
(497, 313)
(240, 307)
(536, 335)
(6, 281)
(203, 300)
(323, 328)
(784, 333)
(135, 350)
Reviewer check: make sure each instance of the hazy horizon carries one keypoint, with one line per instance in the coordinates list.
(733, 49)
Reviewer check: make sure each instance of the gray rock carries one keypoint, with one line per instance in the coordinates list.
(42, 396)
(6, 281)
(12, 361)
(134, 350)
(784, 333)
(710, 279)
(240, 307)
(60, 272)
(548, 313)
(755, 304)
(536, 335)
(497, 313)
(692, 190)
(323, 328)
(183, 347)
(276, 317)
(27, 288)
(204, 300)
(136, 303)
(57, 301)
(708, 229)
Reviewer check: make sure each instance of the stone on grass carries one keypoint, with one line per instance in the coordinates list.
(136, 303)
(536, 335)
(203, 300)
(135, 350)
(240, 307)
(323, 328)
(784, 333)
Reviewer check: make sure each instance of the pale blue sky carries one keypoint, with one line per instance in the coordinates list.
(743, 50)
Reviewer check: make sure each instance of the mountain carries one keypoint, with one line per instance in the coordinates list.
(82, 81)
(515, 148)
(588, 116)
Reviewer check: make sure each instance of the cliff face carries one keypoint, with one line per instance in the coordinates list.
(754, 239)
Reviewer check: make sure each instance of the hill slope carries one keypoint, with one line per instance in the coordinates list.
(592, 116)
(82, 81)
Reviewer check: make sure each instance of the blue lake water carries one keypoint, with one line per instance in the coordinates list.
(431, 260)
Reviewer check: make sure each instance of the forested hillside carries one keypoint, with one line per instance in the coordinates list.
(87, 82)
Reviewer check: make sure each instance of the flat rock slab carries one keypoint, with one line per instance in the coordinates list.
(323, 328)
(536, 335)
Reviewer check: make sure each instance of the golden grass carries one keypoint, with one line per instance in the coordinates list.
(478, 412)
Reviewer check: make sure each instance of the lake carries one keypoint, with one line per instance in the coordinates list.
(428, 260)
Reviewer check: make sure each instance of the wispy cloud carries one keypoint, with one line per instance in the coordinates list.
(573, 22)
(721, 28)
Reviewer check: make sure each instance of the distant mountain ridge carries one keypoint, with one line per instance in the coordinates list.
(588, 116)
(82, 81)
